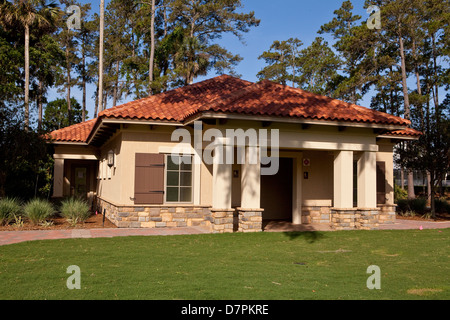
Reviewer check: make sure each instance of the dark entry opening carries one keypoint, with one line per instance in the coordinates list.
(381, 182)
(276, 192)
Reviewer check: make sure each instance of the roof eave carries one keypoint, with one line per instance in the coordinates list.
(399, 137)
(72, 143)
(280, 119)
(103, 121)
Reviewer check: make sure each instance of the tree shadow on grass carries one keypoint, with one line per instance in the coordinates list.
(308, 236)
(309, 232)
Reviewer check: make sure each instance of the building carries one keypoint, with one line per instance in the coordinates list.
(334, 159)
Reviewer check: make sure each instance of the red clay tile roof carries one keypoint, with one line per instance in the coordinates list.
(76, 133)
(269, 98)
(227, 94)
(177, 104)
(409, 132)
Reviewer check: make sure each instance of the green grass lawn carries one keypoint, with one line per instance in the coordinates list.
(312, 265)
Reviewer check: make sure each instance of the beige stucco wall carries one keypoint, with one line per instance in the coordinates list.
(318, 144)
(318, 188)
(119, 189)
(109, 180)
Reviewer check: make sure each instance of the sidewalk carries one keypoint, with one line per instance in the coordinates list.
(404, 224)
(9, 237)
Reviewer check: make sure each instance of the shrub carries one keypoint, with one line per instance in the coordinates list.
(441, 206)
(418, 206)
(399, 193)
(10, 208)
(75, 210)
(38, 210)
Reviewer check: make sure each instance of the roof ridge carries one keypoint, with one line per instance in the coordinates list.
(161, 95)
(218, 102)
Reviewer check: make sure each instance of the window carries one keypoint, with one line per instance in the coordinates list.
(178, 180)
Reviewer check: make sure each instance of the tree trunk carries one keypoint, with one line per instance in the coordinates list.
(402, 177)
(404, 84)
(105, 100)
(116, 85)
(100, 55)
(152, 49)
(39, 103)
(411, 194)
(96, 104)
(433, 209)
(27, 78)
(69, 107)
(436, 86)
(83, 112)
(165, 21)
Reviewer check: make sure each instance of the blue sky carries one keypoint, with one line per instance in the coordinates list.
(280, 20)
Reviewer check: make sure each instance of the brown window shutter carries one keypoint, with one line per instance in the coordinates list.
(381, 182)
(149, 179)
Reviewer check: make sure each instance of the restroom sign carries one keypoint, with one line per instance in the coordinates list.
(306, 162)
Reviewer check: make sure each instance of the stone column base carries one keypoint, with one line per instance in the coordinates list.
(368, 219)
(250, 220)
(344, 219)
(387, 213)
(316, 214)
(222, 220)
(354, 218)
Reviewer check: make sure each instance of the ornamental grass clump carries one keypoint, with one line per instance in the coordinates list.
(10, 208)
(75, 210)
(38, 210)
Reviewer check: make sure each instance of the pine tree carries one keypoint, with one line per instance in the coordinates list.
(343, 28)
(28, 14)
(204, 22)
(283, 61)
(318, 67)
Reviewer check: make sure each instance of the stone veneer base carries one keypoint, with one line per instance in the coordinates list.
(222, 220)
(250, 220)
(155, 216)
(239, 219)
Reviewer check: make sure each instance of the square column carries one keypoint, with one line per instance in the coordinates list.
(367, 177)
(58, 178)
(222, 177)
(250, 213)
(221, 211)
(297, 190)
(251, 179)
(343, 180)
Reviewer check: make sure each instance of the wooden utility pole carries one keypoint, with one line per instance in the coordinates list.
(100, 57)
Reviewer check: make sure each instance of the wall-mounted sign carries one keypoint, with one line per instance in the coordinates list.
(306, 162)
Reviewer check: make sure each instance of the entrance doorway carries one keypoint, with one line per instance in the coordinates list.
(81, 182)
(276, 192)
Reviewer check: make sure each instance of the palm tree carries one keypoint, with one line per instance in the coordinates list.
(27, 14)
(191, 59)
